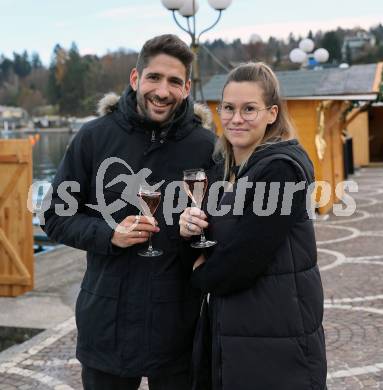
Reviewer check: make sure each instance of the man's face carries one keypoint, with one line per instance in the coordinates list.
(161, 88)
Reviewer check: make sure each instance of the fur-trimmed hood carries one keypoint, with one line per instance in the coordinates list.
(109, 103)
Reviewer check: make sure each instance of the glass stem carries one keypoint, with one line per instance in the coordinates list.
(203, 238)
(150, 247)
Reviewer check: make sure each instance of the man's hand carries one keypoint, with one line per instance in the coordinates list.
(192, 221)
(134, 230)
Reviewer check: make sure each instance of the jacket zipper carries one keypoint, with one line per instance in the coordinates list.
(152, 143)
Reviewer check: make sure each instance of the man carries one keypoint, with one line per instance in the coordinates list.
(135, 315)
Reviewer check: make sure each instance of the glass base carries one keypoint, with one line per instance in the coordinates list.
(203, 244)
(151, 253)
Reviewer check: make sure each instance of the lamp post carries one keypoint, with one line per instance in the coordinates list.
(305, 56)
(188, 9)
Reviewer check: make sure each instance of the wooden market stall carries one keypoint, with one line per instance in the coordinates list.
(16, 236)
(365, 124)
(318, 102)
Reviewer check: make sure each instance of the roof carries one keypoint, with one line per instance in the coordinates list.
(8, 112)
(357, 82)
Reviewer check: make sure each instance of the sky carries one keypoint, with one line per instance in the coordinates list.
(100, 26)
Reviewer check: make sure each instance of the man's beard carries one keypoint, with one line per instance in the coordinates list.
(146, 113)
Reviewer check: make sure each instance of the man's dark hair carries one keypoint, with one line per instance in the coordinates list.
(168, 44)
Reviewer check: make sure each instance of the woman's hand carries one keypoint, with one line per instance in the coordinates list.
(192, 221)
(199, 261)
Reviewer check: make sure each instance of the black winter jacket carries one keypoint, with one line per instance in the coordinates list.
(266, 301)
(135, 316)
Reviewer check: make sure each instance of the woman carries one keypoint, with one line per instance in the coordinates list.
(265, 292)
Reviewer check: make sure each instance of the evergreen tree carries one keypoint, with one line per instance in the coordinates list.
(36, 61)
(332, 43)
(6, 67)
(21, 64)
(72, 87)
(348, 54)
(56, 74)
(377, 31)
(278, 56)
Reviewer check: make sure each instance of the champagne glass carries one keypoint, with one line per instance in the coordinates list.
(149, 201)
(195, 183)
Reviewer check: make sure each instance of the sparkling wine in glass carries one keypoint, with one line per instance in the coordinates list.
(149, 201)
(195, 183)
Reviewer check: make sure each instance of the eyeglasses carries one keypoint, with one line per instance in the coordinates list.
(248, 112)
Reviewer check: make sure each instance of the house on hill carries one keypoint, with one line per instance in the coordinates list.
(12, 117)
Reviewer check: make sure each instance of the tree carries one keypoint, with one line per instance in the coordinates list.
(291, 39)
(255, 50)
(36, 61)
(56, 74)
(30, 99)
(332, 43)
(8, 95)
(378, 33)
(278, 57)
(6, 68)
(21, 64)
(348, 54)
(72, 86)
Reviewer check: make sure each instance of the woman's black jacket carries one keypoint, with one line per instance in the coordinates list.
(266, 298)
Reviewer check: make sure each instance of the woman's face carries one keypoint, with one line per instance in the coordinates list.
(245, 116)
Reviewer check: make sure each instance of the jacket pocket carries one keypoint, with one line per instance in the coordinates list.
(270, 363)
(96, 310)
(175, 309)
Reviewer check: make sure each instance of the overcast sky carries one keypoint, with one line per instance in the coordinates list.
(98, 26)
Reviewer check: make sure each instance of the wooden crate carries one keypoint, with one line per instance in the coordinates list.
(16, 233)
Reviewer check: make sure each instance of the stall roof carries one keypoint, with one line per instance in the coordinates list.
(358, 82)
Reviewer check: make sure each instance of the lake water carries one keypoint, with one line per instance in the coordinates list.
(48, 150)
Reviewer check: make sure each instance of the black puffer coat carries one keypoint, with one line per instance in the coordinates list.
(266, 301)
(135, 315)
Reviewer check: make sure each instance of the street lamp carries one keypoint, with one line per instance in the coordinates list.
(304, 55)
(188, 9)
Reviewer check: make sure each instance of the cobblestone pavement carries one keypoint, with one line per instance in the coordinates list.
(350, 255)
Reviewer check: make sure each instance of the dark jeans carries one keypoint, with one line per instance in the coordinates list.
(97, 380)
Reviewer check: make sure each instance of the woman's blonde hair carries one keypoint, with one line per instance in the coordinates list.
(281, 130)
